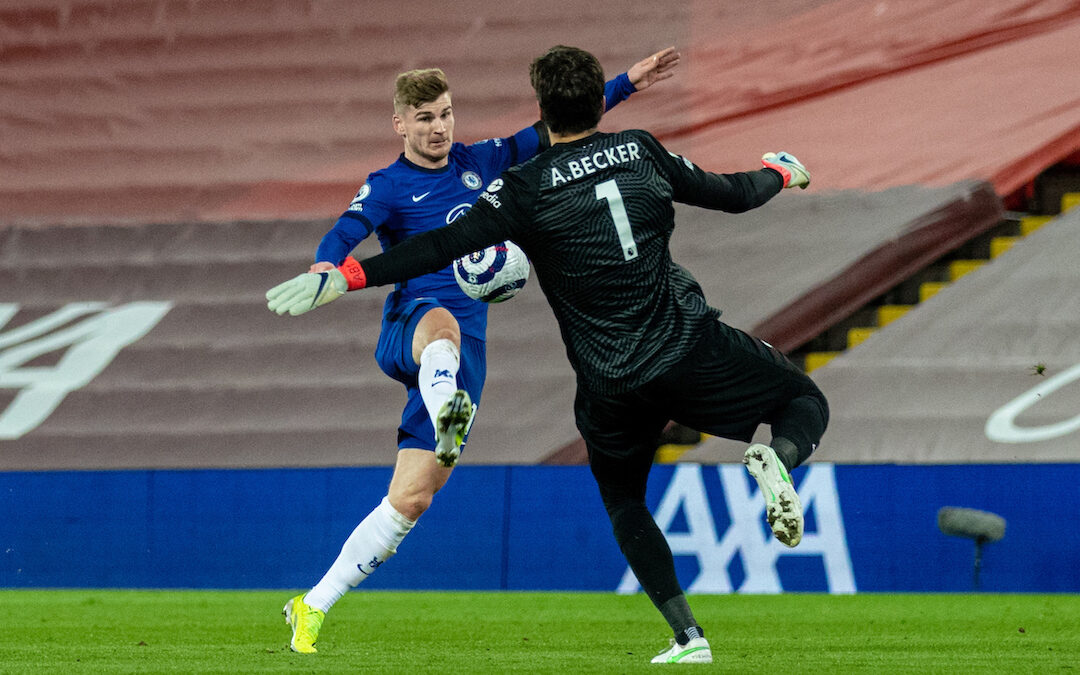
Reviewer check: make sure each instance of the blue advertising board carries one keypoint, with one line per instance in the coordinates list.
(869, 528)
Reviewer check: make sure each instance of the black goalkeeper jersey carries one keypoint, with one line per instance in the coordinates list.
(595, 217)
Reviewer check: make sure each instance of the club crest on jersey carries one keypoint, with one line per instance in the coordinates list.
(471, 180)
(457, 212)
(364, 191)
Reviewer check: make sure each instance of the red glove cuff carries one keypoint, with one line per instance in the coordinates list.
(781, 169)
(354, 273)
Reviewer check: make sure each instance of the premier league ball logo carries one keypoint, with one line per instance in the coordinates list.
(494, 274)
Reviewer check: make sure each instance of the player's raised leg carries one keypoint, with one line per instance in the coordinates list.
(436, 348)
(796, 431)
(450, 426)
(783, 509)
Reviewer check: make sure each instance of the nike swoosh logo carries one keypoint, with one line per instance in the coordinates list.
(323, 276)
(417, 198)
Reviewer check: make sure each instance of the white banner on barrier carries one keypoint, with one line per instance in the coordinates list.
(90, 344)
(686, 493)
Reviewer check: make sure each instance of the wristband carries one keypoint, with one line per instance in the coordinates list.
(785, 175)
(354, 273)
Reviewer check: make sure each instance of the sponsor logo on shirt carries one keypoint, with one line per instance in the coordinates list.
(457, 212)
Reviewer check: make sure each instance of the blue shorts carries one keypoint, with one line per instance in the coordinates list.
(394, 356)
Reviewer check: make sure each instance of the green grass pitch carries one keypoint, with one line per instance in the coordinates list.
(97, 631)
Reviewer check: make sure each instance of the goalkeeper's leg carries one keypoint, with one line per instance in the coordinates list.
(649, 556)
(622, 482)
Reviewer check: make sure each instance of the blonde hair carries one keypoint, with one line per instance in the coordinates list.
(417, 87)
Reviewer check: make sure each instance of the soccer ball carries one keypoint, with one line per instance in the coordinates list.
(493, 275)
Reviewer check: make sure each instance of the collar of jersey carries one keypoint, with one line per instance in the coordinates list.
(591, 138)
(417, 167)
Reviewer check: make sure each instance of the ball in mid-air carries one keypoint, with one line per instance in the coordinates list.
(494, 274)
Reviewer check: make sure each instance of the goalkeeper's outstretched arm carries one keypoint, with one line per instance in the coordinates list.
(422, 254)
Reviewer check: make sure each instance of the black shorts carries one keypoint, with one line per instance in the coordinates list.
(727, 385)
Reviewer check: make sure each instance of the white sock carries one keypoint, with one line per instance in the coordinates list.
(371, 544)
(438, 375)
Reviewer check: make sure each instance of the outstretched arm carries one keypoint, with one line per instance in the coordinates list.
(417, 255)
(653, 69)
(641, 75)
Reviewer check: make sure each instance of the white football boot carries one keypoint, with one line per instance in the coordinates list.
(783, 509)
(451, 424)
(694, 651)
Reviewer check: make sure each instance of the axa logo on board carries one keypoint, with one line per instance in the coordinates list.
(745, 536)
(88, 336)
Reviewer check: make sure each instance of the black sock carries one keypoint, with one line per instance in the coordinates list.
(786, 451)
(800, 425)
(684, 636)
(677, 613)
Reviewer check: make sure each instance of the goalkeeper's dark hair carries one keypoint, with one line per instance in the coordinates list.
(569, 85)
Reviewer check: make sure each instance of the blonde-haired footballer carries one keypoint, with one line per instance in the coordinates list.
(432, 337)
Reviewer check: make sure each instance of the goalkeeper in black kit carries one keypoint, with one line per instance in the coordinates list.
(594, 214)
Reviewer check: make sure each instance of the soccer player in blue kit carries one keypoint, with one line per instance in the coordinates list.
(432, 334)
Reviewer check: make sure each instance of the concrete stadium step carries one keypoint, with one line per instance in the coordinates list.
(372, 445)
(224, 282)
(953, 268)
(172, 242)
(213, 406)
(156, 364)
(221, 381)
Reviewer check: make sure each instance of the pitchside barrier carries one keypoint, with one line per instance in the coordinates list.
(868, 528)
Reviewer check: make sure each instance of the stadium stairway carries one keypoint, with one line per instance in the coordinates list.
(1053, 192)
(1055, 199)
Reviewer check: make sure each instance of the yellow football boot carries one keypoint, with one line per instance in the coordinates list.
(306, 622)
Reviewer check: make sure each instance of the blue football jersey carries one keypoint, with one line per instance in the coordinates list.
(405, 199)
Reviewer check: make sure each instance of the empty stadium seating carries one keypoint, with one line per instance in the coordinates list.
(190, 154)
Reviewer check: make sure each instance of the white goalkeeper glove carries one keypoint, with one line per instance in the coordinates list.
(307, 291)
(794, 173)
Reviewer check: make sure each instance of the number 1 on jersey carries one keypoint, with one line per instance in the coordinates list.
(609, 190)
